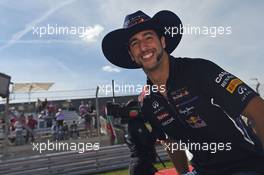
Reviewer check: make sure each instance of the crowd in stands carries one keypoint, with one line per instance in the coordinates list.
(23, 125)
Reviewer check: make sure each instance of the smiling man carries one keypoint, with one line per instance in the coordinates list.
(144, 46)
(202, 104)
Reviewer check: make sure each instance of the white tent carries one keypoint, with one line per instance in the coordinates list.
(31, 87)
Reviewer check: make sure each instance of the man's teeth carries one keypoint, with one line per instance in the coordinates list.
(147, 56)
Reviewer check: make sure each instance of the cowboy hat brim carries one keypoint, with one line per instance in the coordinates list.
(115, 43)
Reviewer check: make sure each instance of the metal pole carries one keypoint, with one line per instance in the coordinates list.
(97, 111)
(6, 131)
(113, 89)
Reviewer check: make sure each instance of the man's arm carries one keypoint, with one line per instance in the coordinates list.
(178, 157)
(179, 160)
(255, 110)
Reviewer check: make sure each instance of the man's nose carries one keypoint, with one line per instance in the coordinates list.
(143, 46)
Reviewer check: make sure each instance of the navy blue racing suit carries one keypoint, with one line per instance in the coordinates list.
(202, 111)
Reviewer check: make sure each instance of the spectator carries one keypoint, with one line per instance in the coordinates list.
(57, 131)
(48, 119)
(19, 131)
(41, 115)
(74, 130)
(12, 123)
(41, 120)
(84, 113)
(54, 131)
(60, 118)
(88, 124)
(92, 112)
(65, 130)
(83, 109)
(38, 105)
(31, 125)
(51, 109)
(44, 104)
(71, 107)
(23, 119)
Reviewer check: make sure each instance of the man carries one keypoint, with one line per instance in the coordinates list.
(19, 127)
(141, 142)
(92, 112)
(55, 131)
(65, 129)
(31, 125)
(194, 101)
(59, 127)
(74, 132)
(51, 109)
(84, 110)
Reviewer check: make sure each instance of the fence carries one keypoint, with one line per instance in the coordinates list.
(73, 163)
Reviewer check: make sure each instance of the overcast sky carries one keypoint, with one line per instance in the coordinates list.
(74, 61)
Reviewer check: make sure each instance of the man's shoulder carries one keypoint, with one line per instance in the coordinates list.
(184, 64)
(189, 60)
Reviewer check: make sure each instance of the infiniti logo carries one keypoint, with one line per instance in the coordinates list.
(241, 89)
(155, 104)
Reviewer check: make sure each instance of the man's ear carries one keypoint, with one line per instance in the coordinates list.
(163, 43)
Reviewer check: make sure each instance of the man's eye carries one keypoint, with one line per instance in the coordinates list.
(149, 37)
(133, 44)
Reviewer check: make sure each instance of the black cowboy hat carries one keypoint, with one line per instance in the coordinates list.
(115, 43)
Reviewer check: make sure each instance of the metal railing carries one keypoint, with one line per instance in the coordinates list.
(73, 163)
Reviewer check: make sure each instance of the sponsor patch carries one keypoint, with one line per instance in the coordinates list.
(233, 85)
(155, 104)
(180, 93)
(241, 89)
(220, 76)
(244, 92)
(162, 116)
(226, 80)
(167, 122)
(196, 122)
(186, 111)
(158, 110)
